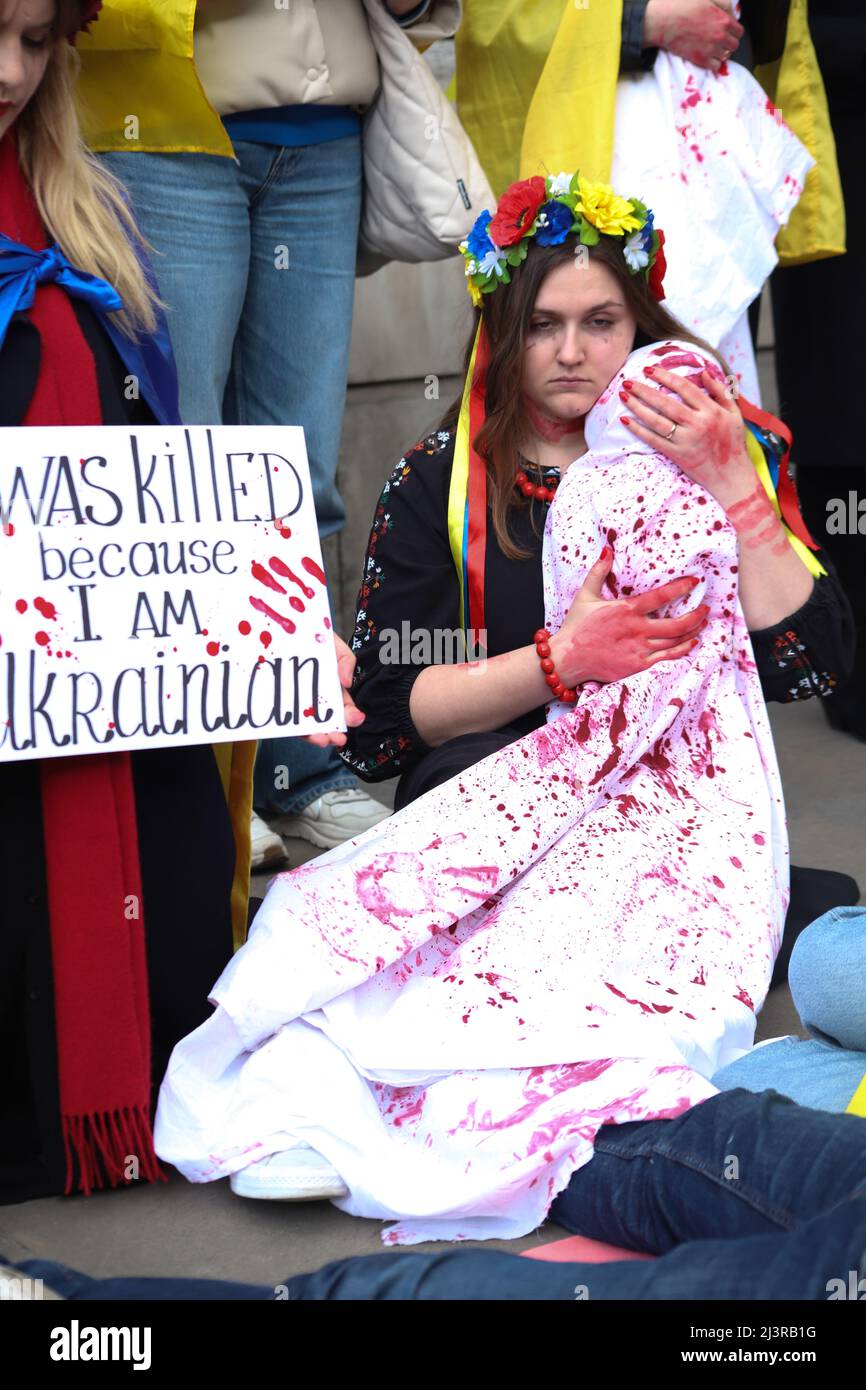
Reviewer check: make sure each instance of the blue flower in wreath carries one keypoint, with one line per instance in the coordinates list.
(556, 225)
(646, 232)
(478, 241)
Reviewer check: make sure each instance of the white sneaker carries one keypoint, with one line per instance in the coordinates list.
(334, 817)
(267, 848)
(298, 1174)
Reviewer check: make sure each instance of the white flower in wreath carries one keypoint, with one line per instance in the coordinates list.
(559, 184)
(493, 262)
(637, 258)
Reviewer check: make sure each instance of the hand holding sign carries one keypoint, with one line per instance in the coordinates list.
(353, 716)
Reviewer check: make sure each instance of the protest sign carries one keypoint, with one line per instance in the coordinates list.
(159, 586)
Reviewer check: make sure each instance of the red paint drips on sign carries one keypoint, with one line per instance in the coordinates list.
(260, 573)
(280, 567)
(262, 607)
(312, 568)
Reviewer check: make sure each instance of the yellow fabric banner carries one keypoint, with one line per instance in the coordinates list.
(235, 762)
(816, 228)
(139, 89)
(536, 85)
(857, 1104)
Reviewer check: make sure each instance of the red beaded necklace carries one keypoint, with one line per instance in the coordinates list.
(539, 491)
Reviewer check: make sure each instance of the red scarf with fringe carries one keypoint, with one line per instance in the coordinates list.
(91, 838)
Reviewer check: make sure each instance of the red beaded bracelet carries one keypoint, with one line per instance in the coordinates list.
(542, 647)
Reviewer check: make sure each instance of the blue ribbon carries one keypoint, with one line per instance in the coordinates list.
(22, 269)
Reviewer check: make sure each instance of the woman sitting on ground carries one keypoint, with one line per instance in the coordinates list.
(427, 722)
(453, 1020)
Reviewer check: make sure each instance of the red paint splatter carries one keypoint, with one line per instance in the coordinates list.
(309, 713)
(613, 989)
(213, 648)
(260, 573)
(280, 567)
(43, 639)
(45, 608)
(327, 622)
(21, 605)
(297, 604)
(244, 628)
(312, 568)
(265, 639)
(9, 529)
(262, 607)
(618, 723)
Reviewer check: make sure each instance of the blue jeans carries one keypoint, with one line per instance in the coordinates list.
(826, 975)
(743, 1197)
(308, 770)
(255, 261)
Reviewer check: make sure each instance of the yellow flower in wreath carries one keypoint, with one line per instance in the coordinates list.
(606, 210)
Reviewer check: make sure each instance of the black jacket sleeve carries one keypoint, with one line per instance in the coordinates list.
(633, 57)
(409, 594)
(812, 650)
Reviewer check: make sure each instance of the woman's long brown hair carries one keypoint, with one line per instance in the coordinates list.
(506, 313)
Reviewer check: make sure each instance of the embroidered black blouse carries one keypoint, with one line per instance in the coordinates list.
(409, 593)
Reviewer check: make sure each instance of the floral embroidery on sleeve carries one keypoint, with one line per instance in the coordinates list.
(792, 657)
(374, 576)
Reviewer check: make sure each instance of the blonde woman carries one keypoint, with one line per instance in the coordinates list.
(90, 1002)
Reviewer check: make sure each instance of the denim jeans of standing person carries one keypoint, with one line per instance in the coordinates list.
(742, 1197)
(827, 975)
(255, 261)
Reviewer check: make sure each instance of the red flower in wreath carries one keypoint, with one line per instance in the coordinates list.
(517, 210)
(657, 274)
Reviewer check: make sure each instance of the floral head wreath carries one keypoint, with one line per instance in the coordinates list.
(549, 210)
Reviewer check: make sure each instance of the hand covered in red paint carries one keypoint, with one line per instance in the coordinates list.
(353, 715)
(607, 639)
(709, 442)
(704, 32)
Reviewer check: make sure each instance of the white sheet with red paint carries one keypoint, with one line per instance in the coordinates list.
(576, 931)
(722, 172)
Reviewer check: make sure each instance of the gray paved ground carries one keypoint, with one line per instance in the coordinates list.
(180, 1229)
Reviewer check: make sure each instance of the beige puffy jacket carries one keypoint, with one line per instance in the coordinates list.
(251, 54)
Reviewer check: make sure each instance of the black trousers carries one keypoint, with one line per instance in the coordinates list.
(813, 891)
